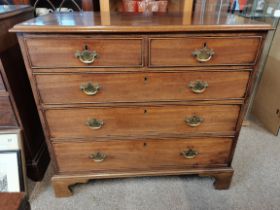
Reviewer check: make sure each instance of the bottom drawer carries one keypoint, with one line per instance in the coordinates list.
(142, 154)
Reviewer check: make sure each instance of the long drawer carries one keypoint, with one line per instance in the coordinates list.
(142, 154)
(84, 52)
(140, 87)
(7, 115)
(200, 51)
(141, 121)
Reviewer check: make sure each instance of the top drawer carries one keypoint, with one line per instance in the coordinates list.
(201, 51)
(55, 52)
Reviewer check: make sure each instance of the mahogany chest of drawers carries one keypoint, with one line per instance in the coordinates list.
(143, 99)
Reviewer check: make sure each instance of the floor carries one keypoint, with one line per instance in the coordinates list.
(255, 185)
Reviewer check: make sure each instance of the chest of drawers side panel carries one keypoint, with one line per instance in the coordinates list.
(250, 87)
(34, 89)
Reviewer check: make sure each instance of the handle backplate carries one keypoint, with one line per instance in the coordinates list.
(198, 86)
(98, 157)
(86, 56)
(194, 121)
(190, 153)
(94, 124)
(90, 88)
(204, 54)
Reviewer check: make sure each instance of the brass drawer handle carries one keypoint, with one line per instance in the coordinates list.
(204, 54)
(95, 124)
(190, 153)
(90, 89)
(198, 86)
(86, 56)
(98, 157)
(194, 121)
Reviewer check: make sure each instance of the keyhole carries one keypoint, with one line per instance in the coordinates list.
(145, 144)
(86, 47)
(205, 44)
(277, 112)
(145, 79)
(145, 111)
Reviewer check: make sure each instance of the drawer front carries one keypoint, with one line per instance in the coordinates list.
(141, 154)
(187, 51)
(7, 116)
(64, 52)
(141, 121)
(140, 87)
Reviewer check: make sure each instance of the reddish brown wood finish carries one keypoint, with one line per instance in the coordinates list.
(222, 179)
(14, 201)
(62, 184)
(122, 23)
(142, 154)
(144, 99)
(166, 52)
(141, 121)
(60, 52)
(142, 87)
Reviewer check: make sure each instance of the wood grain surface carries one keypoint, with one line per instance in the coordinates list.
(14, 201)
(60, 52)
(140, 87)
(228, 51)
(91, 22)
(141, 154)
(140, 121)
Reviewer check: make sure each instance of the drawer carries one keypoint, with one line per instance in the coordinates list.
(142, 154)
(141, 121)
(7, 115)
(84, 52)
(166, 52)
(140, 87)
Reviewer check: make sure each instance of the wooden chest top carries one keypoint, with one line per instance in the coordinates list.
(121, 23)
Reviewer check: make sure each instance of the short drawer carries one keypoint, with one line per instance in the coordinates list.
(84, 52)
(140, 87)
(141, 121)
(201, 51)
(7, 115)
(142, 154)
